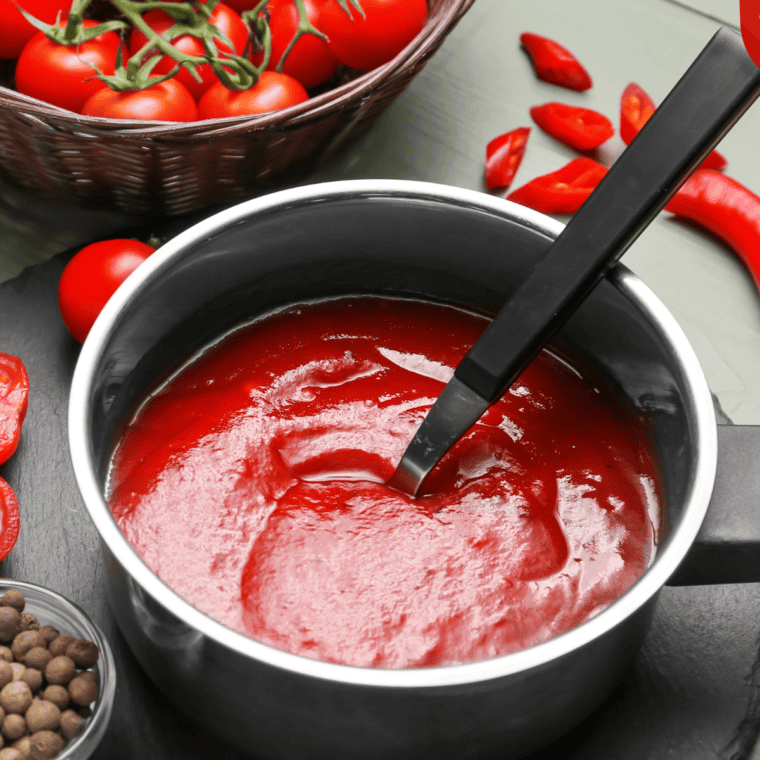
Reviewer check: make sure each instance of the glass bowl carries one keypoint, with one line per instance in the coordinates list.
(50, 608)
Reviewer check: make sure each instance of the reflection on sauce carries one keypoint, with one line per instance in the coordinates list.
(252, 484)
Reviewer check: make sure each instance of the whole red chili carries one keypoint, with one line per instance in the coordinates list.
(726, 208)
(580, 128)
(563, 191)
(14, 396)
(636, 107)
(554, 63)
(9, 519)
(504, 155)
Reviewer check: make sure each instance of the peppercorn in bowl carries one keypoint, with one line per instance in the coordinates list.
(57, 676)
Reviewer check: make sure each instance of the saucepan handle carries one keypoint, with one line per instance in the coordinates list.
(727, 547)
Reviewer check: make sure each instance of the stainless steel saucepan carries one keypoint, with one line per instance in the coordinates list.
(402, 238)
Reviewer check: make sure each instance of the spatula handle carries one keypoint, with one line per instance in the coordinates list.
(711, 96)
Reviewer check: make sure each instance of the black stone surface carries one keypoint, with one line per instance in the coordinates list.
(693, 692)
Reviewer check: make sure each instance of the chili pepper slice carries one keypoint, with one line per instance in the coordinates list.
(580, 128)
(554, 63)
(636, 107)
(563, 191)
(10, 520)
(504, 154)
(14, 396)
(726, 208)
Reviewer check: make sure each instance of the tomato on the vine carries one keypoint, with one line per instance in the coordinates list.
(272, 92)
(310, 61)
(165, 101)
(16, 31)
(60, 74)
(226, 20)
(366, 42)
(92, 277)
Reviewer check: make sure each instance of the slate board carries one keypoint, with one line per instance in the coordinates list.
(692, 692)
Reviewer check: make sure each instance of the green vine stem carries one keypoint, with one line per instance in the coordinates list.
(354, 4)
(73, 32)
(236, 72)
(304, 27)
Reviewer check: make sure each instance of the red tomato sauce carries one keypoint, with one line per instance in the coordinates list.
(252, 483)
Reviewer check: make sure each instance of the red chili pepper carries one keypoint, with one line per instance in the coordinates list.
(9, 519)
(504, 154)
(14, 395)
(726, 208)
(554, 63)
(563, 191)
(580, 128)
(636, 107)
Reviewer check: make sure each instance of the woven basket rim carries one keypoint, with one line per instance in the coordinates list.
(442, 17)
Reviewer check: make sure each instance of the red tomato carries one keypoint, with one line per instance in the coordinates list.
(16, 31)
(165, 101)
(310, 61)
(272, 92)
(92, 277)
(365, 43)
(14, 396)
(10, 521)
(226, 21)
(59, 74)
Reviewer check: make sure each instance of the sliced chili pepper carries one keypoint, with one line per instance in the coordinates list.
(554, 63)
(714, 160)
(726, 208)
(14, 395)
(580, 128)
(636, 107)
(9, 519)
(563, 191)
(504, 154)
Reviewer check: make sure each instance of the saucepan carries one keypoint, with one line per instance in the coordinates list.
(421, 240)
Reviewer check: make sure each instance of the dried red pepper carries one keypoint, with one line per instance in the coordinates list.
(554, 63)
(9, 519)
(504, 154)
(636, 107)
(726, 208)
(580, 128)
(563, 191)
(14, 396)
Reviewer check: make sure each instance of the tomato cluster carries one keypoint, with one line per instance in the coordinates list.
(291, 46)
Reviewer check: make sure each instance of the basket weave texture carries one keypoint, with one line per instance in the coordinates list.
(171, 169)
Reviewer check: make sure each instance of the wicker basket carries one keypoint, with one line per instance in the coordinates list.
(177, 168)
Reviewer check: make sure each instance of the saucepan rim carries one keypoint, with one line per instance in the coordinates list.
(681, 539)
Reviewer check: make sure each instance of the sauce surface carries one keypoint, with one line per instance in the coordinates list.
(252, 484)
